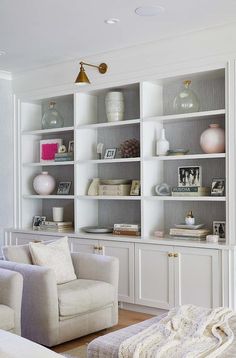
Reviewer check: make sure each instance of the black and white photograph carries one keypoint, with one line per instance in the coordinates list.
(37, 221)
(110, 153)
(64, 188)
(218, 187)
(219, 229)
(190, 176)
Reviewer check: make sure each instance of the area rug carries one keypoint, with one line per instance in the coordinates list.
(79, 352)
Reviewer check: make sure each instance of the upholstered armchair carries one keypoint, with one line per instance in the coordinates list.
(11, 286)
(52, 313)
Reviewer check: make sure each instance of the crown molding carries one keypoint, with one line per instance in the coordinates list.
(5, 75)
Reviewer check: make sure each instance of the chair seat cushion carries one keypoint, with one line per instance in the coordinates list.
(81, 296)
(6, 318)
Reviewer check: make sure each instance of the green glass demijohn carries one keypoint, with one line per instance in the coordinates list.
(52, 118)
(186, 101)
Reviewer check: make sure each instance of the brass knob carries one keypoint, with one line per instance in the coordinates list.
(170, 254)
(100, 248)
(176, 254)
(96, 247)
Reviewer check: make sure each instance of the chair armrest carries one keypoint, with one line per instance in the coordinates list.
(39, 301)
(96, 267)
(11, 287)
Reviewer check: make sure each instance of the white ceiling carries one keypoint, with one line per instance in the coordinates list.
(35, 33)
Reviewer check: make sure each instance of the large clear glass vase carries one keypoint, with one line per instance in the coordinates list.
(186, 101)
(52, 118)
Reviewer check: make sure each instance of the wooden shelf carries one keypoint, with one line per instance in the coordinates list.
(60, 197)
(187, 157)
(187, 116)
(109, 124)
(109, 161)
(186, 198)
(108, 197)
(48, 164)
(48, 131)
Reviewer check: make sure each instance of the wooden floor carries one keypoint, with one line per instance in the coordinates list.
(126, 318)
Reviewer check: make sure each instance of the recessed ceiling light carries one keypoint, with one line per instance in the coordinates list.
(149, 10)
(111, 21)
(2, 53)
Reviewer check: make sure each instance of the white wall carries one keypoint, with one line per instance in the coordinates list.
(6, 156)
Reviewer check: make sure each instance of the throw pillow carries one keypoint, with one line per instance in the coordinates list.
(55, 255)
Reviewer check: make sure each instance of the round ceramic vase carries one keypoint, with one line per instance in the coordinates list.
(44, 184)
(114, 102)
(213, 139)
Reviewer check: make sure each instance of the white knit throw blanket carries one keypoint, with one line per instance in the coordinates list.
(186, 332)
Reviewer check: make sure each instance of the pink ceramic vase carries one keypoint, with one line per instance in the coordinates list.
(213, 139)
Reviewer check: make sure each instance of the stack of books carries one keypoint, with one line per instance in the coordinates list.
(114, 190)
(59, 226)
(127, 229)
(64, 157)
(192, 233)
(191, 191)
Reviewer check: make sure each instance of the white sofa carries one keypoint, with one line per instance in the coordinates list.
(51, 313)
(11, 286)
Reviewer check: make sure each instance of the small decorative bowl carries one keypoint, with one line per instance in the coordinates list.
(163, 189)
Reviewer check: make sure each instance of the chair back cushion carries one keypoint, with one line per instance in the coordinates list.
(56, 256)
(20, 254)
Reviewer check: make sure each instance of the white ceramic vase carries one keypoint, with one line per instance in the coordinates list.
(44, 184)
(162, 145)
(213, 139)
(114, 102)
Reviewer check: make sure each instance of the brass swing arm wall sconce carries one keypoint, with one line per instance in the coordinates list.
(82, 78)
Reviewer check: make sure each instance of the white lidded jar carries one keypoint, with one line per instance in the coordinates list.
(115, 106)
(44, 184)
(162, 145)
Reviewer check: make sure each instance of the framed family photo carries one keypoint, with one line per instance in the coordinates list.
(64, 188)
(38, 221)
(190, 176)
(219, 229)
(218, 187)
(110, 153)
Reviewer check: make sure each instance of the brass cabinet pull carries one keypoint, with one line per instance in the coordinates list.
(100, 248)
(176, 254)
(170, 254)
(96, 247)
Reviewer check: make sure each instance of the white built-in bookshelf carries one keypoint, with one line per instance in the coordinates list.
(148, 109)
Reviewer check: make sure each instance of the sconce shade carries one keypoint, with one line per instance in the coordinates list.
(82, 78)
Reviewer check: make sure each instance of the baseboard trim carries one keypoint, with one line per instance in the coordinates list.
(141, 309)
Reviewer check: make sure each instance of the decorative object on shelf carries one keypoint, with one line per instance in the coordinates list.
(82, 78)
(127, 229)
(110, 153)
(115, 181)
(218, 187)
(186, 101)
(190, 233)
(64, 187)
(100, 150)
(189, 176)
(189, 218)
(57, 213)
(93, 187)
(162, 145)
(212, 140)
(130, 148)
(114, 190)
(191, 227)
(38, 221)
(97, 229)
(62, 149)
(163, 189)
(219, 229)
(135, 188)
(212, 238)
(48, 149)
(71, 146)
(159, 233)
(115, 107)
(191, 191)
(179, 151)
(44, 183)
(58, 226)
(52, 118)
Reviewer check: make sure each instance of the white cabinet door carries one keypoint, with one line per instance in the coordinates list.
(124, 251)
(23, 239)
(154, 276)
(197, 277)
(84, 245)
